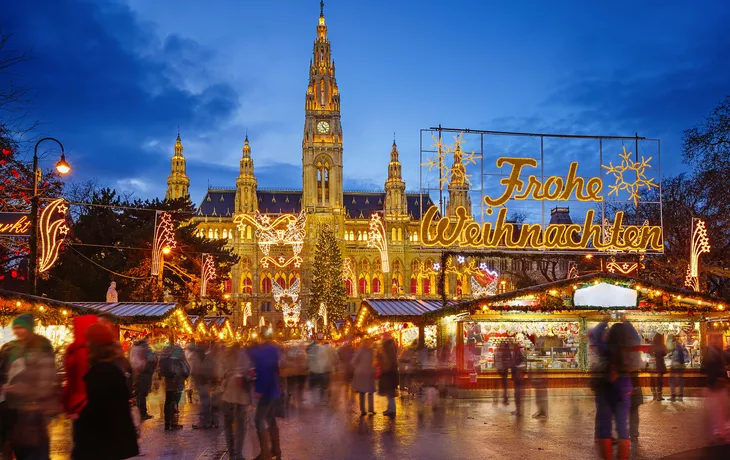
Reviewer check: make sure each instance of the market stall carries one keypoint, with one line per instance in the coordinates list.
(219, 327)
(551, 322)
(136, 320)
(403, 318)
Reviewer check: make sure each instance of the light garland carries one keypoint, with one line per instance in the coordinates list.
(700, 245)
(207, 273)
(487, 276)
(285, 230)
(163, 241)
(377, 239)
(348, 273)
(53, 230)
(624, 268)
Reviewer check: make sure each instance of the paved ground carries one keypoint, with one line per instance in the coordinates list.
(474, 429)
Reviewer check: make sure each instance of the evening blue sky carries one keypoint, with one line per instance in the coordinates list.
(114, 80)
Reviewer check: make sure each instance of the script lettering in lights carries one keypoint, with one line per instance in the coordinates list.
(462, 231)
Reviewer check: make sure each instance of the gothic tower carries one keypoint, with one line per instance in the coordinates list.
(396, 204)
(246, 182)
(322, 142)
(458, 185)
(178, 181)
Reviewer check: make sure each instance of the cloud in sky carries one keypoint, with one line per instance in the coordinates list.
(115, 79)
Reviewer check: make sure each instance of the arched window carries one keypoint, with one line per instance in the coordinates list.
(352, 235)
(266, 285)
(248, 232)
(394, 234)
(215, 234)
(323, 182)
(363, 286)
(376, 285)
(281, 281)
(426, 286)
(395, 286)
(247, 287)
(414, 286)
(348, 287)
(458, 288)
(210, 233)
(400, 234)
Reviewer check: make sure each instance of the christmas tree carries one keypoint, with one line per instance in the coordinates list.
(327, 285)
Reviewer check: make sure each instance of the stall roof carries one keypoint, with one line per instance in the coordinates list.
(219, 321)
(690, 299)
(404, 307)
(129, 312)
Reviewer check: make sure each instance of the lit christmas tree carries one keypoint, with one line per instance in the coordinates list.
(327, 285)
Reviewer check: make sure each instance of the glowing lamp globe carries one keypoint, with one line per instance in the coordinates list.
(62, 166)
(166, 250)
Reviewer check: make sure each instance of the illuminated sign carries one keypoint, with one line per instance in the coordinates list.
(14, 224)
(460, 230)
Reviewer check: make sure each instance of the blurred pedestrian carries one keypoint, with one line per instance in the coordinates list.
(517, 363)
(321, 365)
(190, 348)
(201, 373)
(76, 364)
(388, 381)
(407, 362)
(676, 376)
(364, 376)
(175, 370)
(265, 358)
(659, 350)
(634, 363)
(215, 353)
(235, 397)
(344, 357)
(714, 365)
(503, 363)
(614, 394)
(105, 426)
(597, 346)
(30, 390)
(144, 363)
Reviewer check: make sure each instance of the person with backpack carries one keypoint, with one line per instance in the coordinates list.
(175, 370)
(143, 363)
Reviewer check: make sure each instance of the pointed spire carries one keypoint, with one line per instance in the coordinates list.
(246, 148)
(178, 144)
(321, 8)
(394, 152)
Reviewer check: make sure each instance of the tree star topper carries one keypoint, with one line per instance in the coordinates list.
(623, 171)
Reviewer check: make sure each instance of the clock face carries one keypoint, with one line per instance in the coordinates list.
(323, 127)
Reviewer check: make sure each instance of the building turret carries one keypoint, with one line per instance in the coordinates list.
(458, 185)
(396, 204)
(246, 182)
(178, 182)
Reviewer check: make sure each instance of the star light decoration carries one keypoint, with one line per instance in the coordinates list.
(348, 273)
(700, 245)
(207, 273)
(630, 176)
(377, 239)
(52, 231)
(164, 239)
(458, 170)
(284, 230)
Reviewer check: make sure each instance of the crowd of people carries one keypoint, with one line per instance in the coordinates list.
(104, 392)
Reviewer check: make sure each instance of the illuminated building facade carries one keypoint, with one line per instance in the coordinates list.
(256, 279)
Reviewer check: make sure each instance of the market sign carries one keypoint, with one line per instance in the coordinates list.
(14, 224)
(605, 295)
(462, 231)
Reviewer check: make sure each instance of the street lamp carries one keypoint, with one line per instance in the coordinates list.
(63, 168)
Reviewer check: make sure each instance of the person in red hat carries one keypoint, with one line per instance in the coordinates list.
(105, 426)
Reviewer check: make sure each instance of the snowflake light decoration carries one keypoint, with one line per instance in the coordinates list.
(207, 273)
(291, 312)
(458, 170)
(624, 181)
(284, 230)
(460, 259)
(278, 291)
(377, 239)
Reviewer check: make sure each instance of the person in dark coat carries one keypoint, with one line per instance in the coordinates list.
(105, 426)
(657, 381)
(388, 382)
(364, 376)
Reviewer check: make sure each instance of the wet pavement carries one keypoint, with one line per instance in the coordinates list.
(474, 429)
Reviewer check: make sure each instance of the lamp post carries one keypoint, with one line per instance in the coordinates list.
(63, 168)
